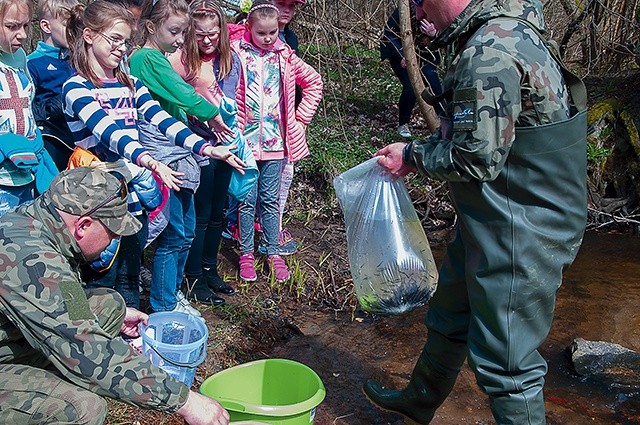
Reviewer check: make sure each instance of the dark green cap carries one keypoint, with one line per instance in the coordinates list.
(88, 191)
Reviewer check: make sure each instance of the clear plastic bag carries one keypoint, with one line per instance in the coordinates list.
(390, 258)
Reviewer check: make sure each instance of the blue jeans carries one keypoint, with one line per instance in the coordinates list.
(12, 196)
(172, 250)
(266, 189)
(209, 206)
(123, 276)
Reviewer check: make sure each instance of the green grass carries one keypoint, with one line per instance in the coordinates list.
(352, 121)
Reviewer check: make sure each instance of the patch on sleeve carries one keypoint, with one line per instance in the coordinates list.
(75, 300)
(465, 105)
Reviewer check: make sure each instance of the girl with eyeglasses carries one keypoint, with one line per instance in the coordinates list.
(163, 25)
(207, 63)
(25, 166)
(102, 105)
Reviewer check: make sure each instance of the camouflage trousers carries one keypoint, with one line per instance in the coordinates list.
(31, 394)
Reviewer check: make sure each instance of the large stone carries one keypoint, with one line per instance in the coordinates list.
(607, 362)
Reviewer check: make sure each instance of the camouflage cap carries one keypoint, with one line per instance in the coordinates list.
(87, 191)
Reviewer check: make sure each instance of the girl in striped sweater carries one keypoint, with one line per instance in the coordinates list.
(163, 26)
(102, 105)
(272, 125)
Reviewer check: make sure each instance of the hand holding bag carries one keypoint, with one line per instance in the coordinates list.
(390, 258)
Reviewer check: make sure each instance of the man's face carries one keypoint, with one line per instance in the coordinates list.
(96, 238)
(287, 10)
(440, 13)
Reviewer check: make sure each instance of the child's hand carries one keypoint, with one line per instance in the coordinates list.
(427, 28)
(166, 173)
(220, 128)
(224, 153)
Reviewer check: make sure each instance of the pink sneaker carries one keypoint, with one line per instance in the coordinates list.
(248, 268)
(279, 268)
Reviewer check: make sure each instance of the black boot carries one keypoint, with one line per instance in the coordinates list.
(196, 290)
(215, 282)
(427, 388)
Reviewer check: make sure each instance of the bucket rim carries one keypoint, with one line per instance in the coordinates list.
(270, 410)
(156, 346)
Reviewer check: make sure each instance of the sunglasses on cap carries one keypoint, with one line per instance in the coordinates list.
(121, 192)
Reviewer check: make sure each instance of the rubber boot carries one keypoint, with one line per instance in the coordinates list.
(215, 282)
(525, 408)
(196, 289)
(431, 382)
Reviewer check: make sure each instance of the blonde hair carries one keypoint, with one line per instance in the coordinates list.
(4, 5)
(55, 8)
(98, 16)
(262, 9)
(200, 9)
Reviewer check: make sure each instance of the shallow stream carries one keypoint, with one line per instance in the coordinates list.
(599, 300)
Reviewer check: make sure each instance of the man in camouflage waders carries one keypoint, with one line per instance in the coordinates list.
(60, 346)
(512, 145)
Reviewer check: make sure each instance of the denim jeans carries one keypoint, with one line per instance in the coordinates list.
(123, 276)
(172, 250)
(12, 196)
(209, 206)
(266, 189)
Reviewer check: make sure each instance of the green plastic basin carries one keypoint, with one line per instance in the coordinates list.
(268, 391)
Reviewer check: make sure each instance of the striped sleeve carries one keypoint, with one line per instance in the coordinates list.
(87, 119)
(176, 131)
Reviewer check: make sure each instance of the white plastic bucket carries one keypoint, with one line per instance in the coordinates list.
(175, 342)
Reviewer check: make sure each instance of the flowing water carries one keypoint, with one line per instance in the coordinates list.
(599, 300)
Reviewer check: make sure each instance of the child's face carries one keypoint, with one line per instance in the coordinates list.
(264, 32)
(287, 10)
(169, 36)
(15, 26)
(107, 48)
(207, 34)
(55, 29)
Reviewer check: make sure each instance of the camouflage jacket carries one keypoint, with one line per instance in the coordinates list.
(500, 75)
(37, 256)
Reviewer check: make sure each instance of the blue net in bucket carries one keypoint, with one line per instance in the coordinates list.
(175, 342)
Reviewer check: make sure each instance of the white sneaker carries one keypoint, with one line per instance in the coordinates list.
(184, 306)
(404, 131)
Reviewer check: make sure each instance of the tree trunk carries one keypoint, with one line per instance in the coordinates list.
(415, 75)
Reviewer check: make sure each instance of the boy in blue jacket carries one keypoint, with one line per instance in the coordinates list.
(50, 67)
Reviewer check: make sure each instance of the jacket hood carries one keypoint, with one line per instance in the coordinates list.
(480, 11)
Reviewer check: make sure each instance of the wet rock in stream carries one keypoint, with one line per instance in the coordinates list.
(609, 363)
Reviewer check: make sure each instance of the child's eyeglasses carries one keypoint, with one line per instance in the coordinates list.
(116, 44)
(121, 192)
(211, 36)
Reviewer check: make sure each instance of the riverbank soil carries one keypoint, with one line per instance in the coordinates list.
(315, 319)
(320, 326)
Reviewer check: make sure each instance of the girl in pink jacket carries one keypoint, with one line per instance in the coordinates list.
(273, 127)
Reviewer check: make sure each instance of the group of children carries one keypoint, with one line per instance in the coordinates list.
(151, 115)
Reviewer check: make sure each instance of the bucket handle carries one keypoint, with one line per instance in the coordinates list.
(203, 354)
